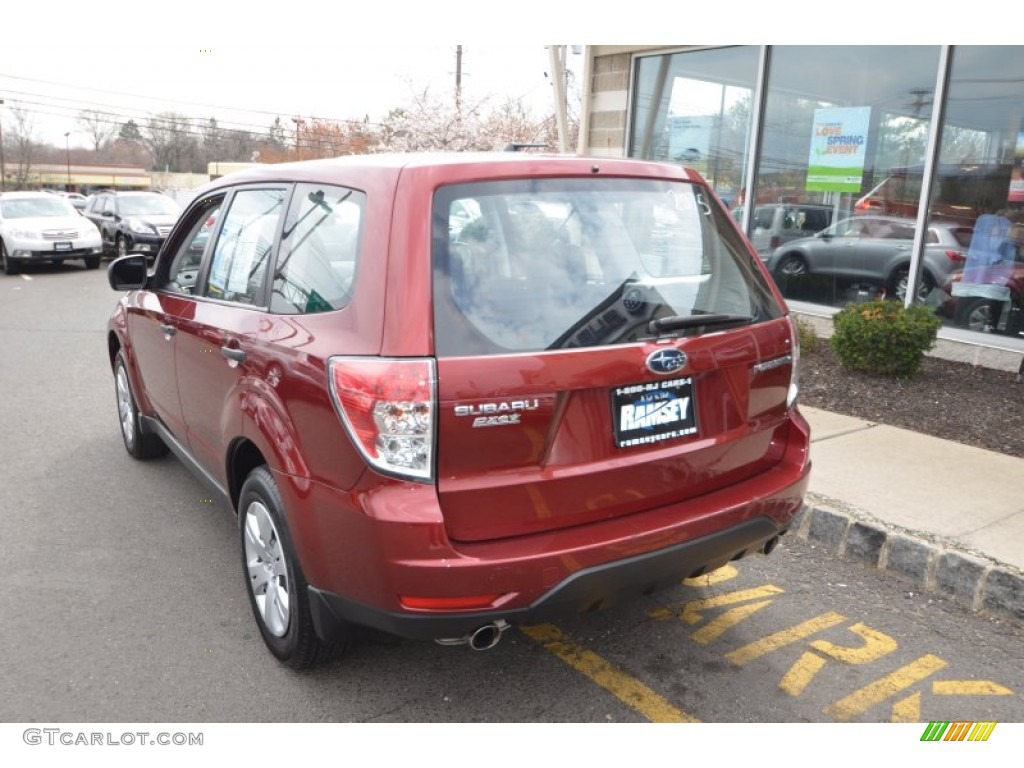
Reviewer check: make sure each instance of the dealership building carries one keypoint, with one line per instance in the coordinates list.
(857, 171)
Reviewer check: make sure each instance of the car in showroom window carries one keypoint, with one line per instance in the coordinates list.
(360, 356)
(874, 251)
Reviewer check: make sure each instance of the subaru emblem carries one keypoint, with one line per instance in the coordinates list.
(666, 361)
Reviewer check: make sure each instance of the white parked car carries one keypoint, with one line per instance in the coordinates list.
(77, 199)
(37, 227)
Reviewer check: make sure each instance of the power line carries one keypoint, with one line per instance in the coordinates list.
(118, 115)
(163, 101)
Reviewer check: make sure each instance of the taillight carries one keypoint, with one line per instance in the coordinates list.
(794, 377)
(774, 242)
(956, 256)
(388, 407)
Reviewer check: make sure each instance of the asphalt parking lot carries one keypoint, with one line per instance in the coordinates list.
(125, 600)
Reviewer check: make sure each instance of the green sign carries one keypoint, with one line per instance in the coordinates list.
(838, 142)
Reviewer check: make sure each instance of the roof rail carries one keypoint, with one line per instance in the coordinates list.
(517, 146)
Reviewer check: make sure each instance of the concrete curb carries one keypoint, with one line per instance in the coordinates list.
(928, 563)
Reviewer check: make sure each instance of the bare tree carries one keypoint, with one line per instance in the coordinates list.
(24, 145)
(170, 138)
(98, 126)
(213, 139)
(240, 145)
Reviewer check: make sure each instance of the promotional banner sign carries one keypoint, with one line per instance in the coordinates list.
(838, 142)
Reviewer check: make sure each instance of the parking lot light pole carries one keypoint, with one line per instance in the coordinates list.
(67, 155)
(299, 122)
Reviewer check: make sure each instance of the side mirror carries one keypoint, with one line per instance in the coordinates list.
(128, 273)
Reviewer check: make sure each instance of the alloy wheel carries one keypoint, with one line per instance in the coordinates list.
(981, 318)
(125, 407)
(793, 266)
(268, 570)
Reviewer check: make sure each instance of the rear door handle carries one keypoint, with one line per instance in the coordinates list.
(233, 354)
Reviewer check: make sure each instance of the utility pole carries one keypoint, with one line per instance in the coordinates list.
(298, 128)
(458, 78)
(558, 77)
(67, 155)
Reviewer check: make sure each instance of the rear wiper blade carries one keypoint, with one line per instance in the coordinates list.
(678, 322)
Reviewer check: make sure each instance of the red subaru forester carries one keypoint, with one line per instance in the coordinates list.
(447, 394)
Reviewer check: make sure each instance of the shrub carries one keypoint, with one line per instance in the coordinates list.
(883, 337)
(807, 335)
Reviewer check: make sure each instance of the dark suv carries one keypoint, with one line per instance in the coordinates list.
(132, 222)
(448, 394)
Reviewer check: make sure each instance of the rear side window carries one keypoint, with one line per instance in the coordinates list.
(764, 218)
(316, 266)
(813, 219)
(963, 236)
(568, 263)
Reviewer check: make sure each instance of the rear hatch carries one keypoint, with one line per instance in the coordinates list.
(604, 346)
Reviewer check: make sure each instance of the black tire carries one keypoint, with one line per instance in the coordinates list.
(978, 314)
(10, 266)
(897, 287)
(92, 262)
(139, 443)
(272, 572)
(791, 266)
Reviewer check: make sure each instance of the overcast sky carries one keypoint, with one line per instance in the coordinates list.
(247, 86)
(247, 62)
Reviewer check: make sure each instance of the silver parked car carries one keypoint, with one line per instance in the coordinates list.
(37, 227)
(876, 250)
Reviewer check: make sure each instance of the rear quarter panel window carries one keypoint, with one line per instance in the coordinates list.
(319, 251)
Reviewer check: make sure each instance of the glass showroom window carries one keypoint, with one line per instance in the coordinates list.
(694, 108)
(979, 188)
(839, 123)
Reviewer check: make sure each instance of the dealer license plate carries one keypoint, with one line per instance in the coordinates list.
(653, 412)
(62, 246)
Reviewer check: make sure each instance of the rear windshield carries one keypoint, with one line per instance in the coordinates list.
(531, 265)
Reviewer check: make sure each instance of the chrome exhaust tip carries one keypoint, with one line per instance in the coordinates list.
(480, 639)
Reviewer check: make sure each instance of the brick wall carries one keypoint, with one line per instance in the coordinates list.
(609, 91)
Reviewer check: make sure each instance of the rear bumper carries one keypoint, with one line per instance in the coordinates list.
(589, 589)
(143, 243)
(26, 255)
(361, 552)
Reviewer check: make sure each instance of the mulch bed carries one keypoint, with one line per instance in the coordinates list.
(968, 404)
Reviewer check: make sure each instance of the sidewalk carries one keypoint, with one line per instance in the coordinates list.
(947, 518)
